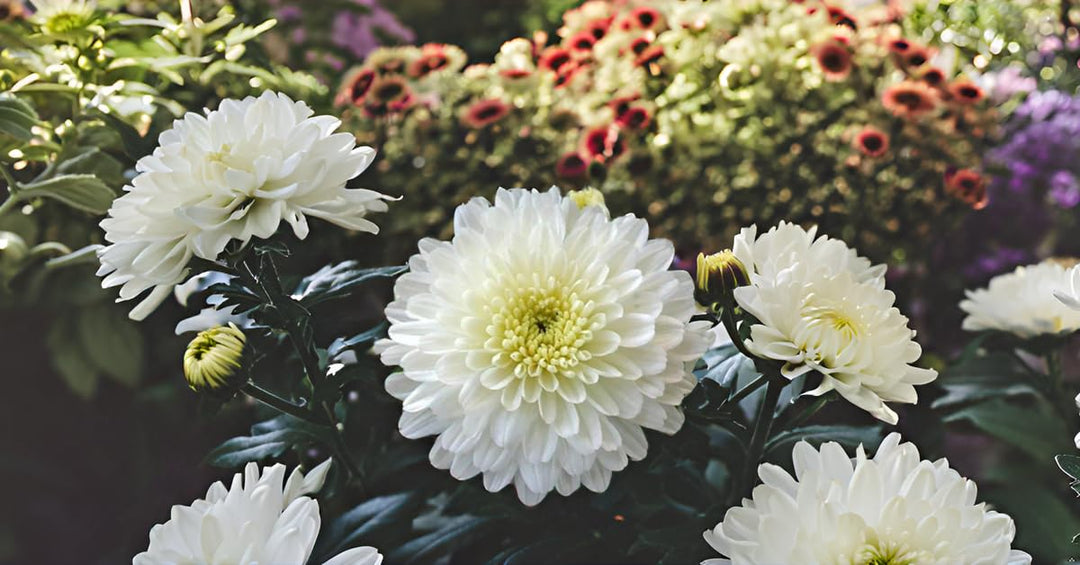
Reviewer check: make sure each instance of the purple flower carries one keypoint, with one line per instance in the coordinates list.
(1064, 189)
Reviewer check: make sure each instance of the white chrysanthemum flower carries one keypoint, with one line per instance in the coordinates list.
(255, 521)
(235, 173)
(541, 342)
(1026, 302)
(894, 509)
(1072, 297)
(787, 245)
(823, 308)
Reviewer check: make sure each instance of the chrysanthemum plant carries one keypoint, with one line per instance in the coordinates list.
(84, 92)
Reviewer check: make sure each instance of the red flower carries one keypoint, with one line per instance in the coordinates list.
(432, 58)
(933, 76)
(871, 142)
(356, 87)
(967, 185)
(598, 28)
(639, 44)
(645, 17)
(553, 58)
(582, 41)
(571, 166)
(515, 74)
(909, 99)
(839, 17)
(635, 118)
(916, 56)
(621, 104)
(899, 45)
(649, 55)
(567, 73)
(483, 113)
(387, 95)
(603, 143)
(965, 92)
(834, 60)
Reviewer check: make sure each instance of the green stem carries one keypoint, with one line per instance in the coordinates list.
(280, 404)
(728, 319)
(746, 390)
(12, 188)
(762, 429)
(805, 415)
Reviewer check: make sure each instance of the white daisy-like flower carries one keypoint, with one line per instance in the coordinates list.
(540, 342)
(1026, 302)
(233, 174)
(823, 308)
(254, 521)
(894, 509)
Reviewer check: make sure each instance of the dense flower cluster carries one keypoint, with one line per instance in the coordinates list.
(690, 114)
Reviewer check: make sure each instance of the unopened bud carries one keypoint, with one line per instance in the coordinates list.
(214, 357)
(718, 275)
(588, 197)
(13, 252)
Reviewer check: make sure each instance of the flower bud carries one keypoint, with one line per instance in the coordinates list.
(214, 357)
(13, 252)
(718, 275)
(588, 197)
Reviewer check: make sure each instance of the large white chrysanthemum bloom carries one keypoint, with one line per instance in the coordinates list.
(540, 342)
(1026, 302)
(255, 521)
(894, 509)
(233, 174)
(823, 308)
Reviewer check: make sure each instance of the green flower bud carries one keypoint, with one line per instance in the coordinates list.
(13, 252)
(718, 275)
(214, 358)
(588, 197)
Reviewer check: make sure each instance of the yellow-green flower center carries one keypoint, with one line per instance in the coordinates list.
(833, 319)
(542, 330)
(886, 554)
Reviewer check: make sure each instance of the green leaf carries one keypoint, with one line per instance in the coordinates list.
(975, 379)
(1032, 429)
(336, 281)
(113, 343)
(84, 192)
(270, 438)
(428, 548)
(385, 513)
(1044, 523)
(69, 360)
(849, 437)
(342, 344)
(1070, 465)
(17, 118)
(136, 146)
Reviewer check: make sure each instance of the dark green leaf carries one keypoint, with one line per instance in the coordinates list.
(358, 525)
(1044, 524)
(17, 118)
(343, 344)
(430, 547)
(1070, 465)
(136, 145)
(113, 343)
(1033, 430)
(848, 436)
(335, 281)
(84, 192)
(268, 439)
(981, 378)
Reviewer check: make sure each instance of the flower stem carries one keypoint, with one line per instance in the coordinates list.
(280, 404)
(728, 319)
(746, 390)
(762, 429)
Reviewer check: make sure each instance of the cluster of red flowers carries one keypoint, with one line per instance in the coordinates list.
(924, 89)
(385, 84)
